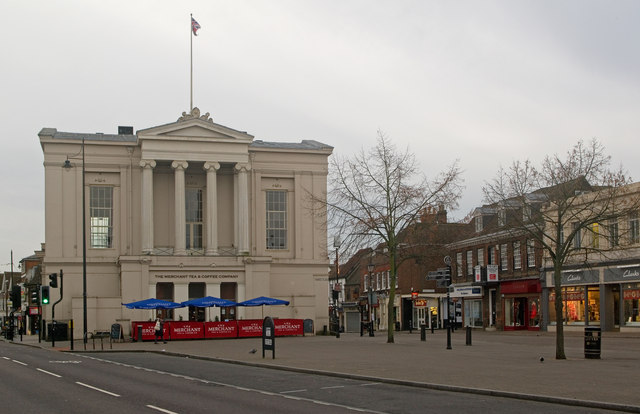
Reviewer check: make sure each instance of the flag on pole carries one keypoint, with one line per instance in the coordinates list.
(194, 26)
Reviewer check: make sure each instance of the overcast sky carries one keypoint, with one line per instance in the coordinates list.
(485, 82)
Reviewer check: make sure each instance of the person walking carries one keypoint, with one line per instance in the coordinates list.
(159, 328)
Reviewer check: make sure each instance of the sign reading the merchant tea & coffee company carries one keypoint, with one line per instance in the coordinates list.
(202, 277)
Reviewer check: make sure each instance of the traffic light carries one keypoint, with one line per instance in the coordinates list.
(35, 297)
(44, 294)
(16, 296)
(53, 280)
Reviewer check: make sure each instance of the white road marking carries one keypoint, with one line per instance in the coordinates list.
(330, 388)
(18, 362)
(50, 373)
(292, 391)
(237, 387)
(162, 410)
(97, 389)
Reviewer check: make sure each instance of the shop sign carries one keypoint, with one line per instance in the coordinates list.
(467, 291)
(580, 277)
(420, 303)
(492, 273)
(520, 286)
(622, 274)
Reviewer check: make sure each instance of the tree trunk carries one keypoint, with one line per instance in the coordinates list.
(557, 280)
(392, 298)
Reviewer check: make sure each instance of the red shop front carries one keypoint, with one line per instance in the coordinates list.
(521, 304)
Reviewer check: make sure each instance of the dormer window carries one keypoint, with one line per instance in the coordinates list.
(526, 213)
(478, 224)
(502, 217)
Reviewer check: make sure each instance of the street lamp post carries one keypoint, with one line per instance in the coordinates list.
(370, 268)
(67, 165)
(336, 245)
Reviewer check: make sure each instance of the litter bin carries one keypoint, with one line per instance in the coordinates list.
(592, 342)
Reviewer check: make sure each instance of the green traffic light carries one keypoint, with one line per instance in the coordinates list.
(45, 300)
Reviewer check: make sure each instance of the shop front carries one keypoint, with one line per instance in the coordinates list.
(466, 306)
(623, 282)
(426, 311)
(580, 298)
(521, 304)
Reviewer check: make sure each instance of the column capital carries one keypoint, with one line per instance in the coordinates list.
(242, 167)
(148, 163)
(179, 165)
(211, 165)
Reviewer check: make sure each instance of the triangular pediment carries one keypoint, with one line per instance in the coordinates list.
(193, 127)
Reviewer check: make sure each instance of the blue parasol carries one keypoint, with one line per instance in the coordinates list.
(263, 300)
(153, 304)
(209, 301)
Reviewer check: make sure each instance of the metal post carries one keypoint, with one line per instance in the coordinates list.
(84, 253)
(336, 244)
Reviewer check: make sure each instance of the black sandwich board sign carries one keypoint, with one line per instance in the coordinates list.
(268, 336)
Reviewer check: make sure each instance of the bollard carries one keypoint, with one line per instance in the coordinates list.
(140, 333)
(71, 334)
(423, 333)
(371, 329)
(432, 327)
(468, 335)
(449, 337)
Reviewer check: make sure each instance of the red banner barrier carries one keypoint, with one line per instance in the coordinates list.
(186, 330)
(148, 330)
(249, 328)
(231, 329)
(289, 327)
(221, 329)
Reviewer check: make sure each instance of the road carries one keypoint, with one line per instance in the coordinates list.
(35, 380)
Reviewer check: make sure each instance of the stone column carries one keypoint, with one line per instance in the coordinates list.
(213, 289)
(240, 310)
(147, 205)
(212, 208)
(243, 208)
(181, 294)
(179, 247)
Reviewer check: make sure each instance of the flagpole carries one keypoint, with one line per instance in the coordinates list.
(191, 81)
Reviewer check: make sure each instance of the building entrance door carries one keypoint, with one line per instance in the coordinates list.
(515, 310)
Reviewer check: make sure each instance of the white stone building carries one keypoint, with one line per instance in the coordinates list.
(180, 211)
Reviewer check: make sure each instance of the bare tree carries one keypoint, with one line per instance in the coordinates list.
(377, 193)
(559, 202)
